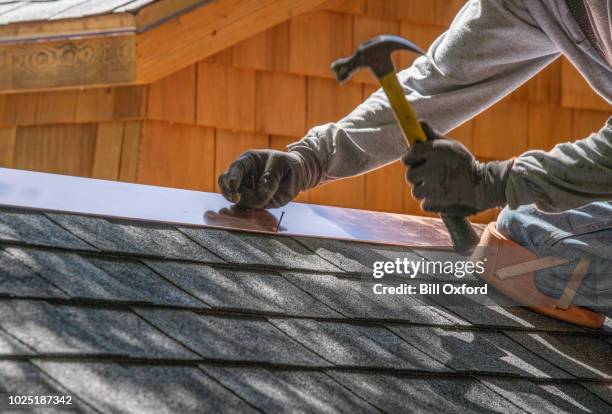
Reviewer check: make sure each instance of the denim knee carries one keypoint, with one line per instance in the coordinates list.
(507, 221)
(524, 226)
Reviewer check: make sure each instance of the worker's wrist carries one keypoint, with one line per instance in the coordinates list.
(309, 169)
(494, 179)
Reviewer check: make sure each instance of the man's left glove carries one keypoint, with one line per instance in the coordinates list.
(449, 180)
(267, 178)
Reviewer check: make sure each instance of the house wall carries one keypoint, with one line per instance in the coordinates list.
(89, 132)
(266, 92)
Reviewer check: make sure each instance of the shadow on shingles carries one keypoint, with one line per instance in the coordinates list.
(258, 249)
(361, 258)
(474, 353)
(99, 278)
(545, 355)
(353, 256)
(121, 236)
(479, 352)
(289, 391)
(536, 398)
(54, 329)
(431, 394)
(356, 299)
(422, 395)
(115, 388)
(586, 357)
(24, 378)
(245, 290)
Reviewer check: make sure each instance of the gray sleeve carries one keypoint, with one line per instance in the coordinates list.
(568, 176)
(491, 48)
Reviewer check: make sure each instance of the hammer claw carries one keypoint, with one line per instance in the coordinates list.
(375, 54)
(341, 68)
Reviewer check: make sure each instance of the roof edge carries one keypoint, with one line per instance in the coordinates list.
(108, 24)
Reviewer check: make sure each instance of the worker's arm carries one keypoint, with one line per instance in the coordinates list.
(571, 175)
(448, 179)
(491, 48)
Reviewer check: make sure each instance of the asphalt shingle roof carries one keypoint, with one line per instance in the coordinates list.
(134, 317)
(17, 11)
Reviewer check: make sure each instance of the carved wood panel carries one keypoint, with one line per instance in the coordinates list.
(110, 60)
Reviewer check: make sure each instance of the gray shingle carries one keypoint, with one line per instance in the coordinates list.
(114, 388)
(14, 11)
(603, 391)
(141, 238)
(242, 290)
(36, 10)
(583, 356)
(289, 391)
(8, 5)
(424, 395)
(23, 378)
(11, 346)
(65, 329)
(354, 298)
(132, 6)
(540, 398)
(249, 248)
(353, 345)
(231, 338)
(35, 228)
(501, 316)
(356, 257)
(16, 279)
(103, 279)
(474, 351)
(88, 8)
(138, 282)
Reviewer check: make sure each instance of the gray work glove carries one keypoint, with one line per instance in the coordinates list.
(449, 180)
(266, 178)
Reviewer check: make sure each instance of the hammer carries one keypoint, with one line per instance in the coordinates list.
(376, 55)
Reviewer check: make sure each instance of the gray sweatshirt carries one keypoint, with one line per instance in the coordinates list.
(490, 49)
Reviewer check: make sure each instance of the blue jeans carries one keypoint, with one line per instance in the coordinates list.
(572, 234)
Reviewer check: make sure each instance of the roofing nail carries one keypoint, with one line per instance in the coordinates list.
(279, 221)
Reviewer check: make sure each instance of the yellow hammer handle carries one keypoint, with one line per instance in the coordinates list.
(403, 110)
(462, 234)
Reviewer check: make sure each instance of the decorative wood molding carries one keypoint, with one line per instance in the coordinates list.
(68, 63)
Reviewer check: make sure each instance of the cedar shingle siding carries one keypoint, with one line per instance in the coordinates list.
(267, 91)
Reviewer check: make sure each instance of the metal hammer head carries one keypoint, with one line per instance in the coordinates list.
(375, 54)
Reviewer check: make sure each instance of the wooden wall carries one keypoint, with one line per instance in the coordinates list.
(91, 132)
(266, 92)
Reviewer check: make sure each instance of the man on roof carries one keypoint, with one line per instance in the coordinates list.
(557, 202)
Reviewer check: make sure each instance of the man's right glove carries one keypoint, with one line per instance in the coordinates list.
(267, 178)
(448, 179)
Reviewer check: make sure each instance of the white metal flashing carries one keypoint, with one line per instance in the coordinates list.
(110, 199)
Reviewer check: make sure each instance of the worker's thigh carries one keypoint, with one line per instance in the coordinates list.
(585, 231)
